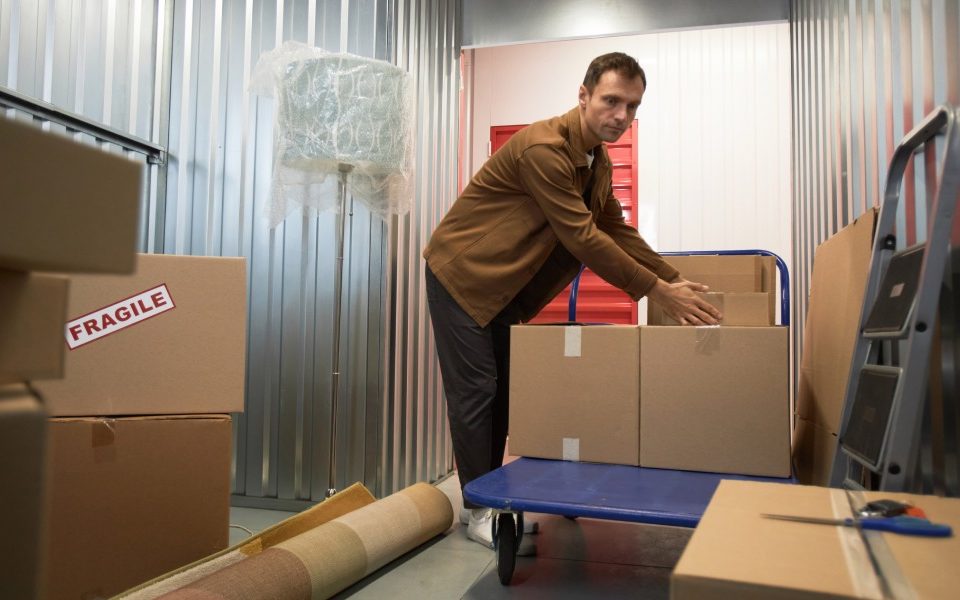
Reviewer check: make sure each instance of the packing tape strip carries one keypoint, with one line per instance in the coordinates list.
(891, 579)
(863, 578)
(571, 449)
(572, 338)
(707, 339)
(102, 433)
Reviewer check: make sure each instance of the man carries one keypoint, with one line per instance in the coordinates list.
(515, 238)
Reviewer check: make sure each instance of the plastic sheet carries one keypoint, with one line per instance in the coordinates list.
(334, 113)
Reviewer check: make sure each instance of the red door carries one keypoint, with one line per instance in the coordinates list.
(597, 300)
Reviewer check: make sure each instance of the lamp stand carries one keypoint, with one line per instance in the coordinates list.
(344, 169)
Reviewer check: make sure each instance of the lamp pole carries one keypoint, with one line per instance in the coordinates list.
(344, 170)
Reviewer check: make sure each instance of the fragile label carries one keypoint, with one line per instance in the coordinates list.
(119, 315)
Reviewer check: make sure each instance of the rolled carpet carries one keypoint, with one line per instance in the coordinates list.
(320, 562)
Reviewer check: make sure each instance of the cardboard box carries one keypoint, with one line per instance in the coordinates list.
(169, 339)
(574, 393)
(33, 308)
(730, 273)
(133, 498)
(721, 273)
(715, 399)
(840, 268)
(65, 206)
(736, 553)
(22, 432)
(814, 448)
(741, 309)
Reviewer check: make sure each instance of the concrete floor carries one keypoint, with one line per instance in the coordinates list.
(582, 558)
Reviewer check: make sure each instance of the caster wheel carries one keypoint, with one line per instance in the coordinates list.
(505, 541)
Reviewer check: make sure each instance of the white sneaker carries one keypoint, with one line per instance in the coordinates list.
(480, 526)
(529, 525)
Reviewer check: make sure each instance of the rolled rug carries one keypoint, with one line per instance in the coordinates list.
(324, 560)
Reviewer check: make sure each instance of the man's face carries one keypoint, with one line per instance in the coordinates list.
(607, 112)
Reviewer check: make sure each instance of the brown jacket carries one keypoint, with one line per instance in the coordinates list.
(521, 228)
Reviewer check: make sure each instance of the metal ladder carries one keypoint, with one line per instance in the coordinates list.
(880, 431)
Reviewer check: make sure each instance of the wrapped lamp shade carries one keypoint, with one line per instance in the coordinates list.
(338, 113)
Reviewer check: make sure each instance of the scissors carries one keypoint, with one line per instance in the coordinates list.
(903, 525)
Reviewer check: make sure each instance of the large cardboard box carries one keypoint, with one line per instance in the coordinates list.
(65, 206)
(33, 307)
(730, 273)
(169, 339)
(22, 431)
(574, 393)
(133, 498)
(840, 268)
(742, 309)
(715, 399)
(735, 553)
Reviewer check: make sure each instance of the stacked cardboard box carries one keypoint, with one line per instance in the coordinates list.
(64, 207)
(840, 268)
(140, 431)
(691, 398)
(113, 467)
(743, 287)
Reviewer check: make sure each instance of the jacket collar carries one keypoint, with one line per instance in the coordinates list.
(575, 138)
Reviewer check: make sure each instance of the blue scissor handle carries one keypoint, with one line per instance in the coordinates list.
(904, 525)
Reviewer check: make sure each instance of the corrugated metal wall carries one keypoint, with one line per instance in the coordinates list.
(176, 72)
(73, 53)
(865, 73)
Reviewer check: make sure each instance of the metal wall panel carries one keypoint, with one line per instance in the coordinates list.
(218, 188)
(94, 58)
(498, 22)
(416, 443)
(176, 72)
(865, 72)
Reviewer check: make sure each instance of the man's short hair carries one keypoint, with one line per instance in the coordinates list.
(614, 61)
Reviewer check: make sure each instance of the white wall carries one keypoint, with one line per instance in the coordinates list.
(714, 126)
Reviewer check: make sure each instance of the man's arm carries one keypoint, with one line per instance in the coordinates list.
(549, 178)
(611, 221)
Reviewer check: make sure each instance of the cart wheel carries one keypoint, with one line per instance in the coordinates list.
(505, 541)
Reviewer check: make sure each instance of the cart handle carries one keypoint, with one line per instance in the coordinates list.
(781, 267)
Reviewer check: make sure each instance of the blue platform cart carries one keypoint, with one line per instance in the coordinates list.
(601, 491)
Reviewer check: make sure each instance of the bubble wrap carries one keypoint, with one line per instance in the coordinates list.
(334, 110)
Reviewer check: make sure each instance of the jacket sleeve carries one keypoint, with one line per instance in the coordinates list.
(611, 222)
(549, 178)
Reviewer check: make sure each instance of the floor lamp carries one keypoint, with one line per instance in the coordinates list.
(343, 115)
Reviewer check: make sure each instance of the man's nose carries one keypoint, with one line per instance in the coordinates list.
(621, 113)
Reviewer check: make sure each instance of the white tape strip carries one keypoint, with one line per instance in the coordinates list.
(571, 449)
(863, 578)
(571, 341)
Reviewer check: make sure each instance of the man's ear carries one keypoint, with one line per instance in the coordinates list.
(583, 96)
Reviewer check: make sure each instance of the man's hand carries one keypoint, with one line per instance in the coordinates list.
(680, 301)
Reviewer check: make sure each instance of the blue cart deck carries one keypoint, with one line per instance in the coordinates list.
(615, 492)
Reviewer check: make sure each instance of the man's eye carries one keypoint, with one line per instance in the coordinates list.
(611, 102)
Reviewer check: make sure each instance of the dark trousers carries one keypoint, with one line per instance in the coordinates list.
(475, 365)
